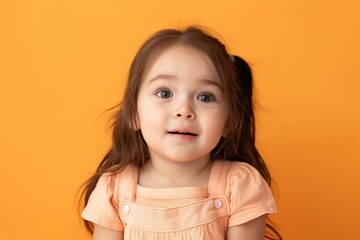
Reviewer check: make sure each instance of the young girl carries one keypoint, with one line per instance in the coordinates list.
(183, 162)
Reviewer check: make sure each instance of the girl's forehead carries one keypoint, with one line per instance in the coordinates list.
(180, 59)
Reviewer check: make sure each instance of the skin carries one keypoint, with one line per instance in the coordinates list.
(181, 93)
(182, 115)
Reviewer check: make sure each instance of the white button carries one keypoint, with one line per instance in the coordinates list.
(217, 203)
(126, 209)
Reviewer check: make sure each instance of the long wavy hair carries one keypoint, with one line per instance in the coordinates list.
(128, 145)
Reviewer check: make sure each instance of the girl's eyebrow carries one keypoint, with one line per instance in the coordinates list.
(162, 76)
(211, 82)
(172, 77)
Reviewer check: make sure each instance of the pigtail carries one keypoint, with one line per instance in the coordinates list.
(248, 151)
(247, 148)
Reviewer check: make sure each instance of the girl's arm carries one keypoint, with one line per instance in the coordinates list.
(252, 230)
(102, 233)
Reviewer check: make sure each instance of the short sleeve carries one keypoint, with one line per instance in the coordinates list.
(250, 195)
(102, 207)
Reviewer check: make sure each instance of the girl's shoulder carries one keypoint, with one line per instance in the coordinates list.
(244, 171)
(235, 169)
(112, 181)
(239, 175)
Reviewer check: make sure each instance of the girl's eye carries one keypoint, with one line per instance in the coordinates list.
(206, 97)
(164, 94)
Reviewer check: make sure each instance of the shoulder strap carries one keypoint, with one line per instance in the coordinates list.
(218, 177)
(128, 182)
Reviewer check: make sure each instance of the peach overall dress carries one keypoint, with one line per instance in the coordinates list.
(236, 193)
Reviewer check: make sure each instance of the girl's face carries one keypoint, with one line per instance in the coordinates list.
(182, 112)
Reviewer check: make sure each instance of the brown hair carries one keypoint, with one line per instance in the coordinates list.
(128, 145)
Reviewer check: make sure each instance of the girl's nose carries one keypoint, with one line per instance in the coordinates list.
(185, 112)
(189, 115)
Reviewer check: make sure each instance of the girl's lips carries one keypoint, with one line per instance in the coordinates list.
(182, 136)
(182, 133)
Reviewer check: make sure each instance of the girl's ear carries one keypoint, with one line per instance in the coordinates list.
(225, 132)
(226, 129)
(135, 125)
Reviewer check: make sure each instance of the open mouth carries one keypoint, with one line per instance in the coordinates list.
(183, 133)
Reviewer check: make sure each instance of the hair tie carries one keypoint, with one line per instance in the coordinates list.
(232, 58)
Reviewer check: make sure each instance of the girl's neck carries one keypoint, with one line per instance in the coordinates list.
(169, 174)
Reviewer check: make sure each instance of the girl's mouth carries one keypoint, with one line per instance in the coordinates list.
(183, 133)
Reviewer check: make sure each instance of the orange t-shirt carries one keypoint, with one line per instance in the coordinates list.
(236, 194)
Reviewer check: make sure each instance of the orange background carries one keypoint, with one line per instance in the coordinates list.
(63, 62)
